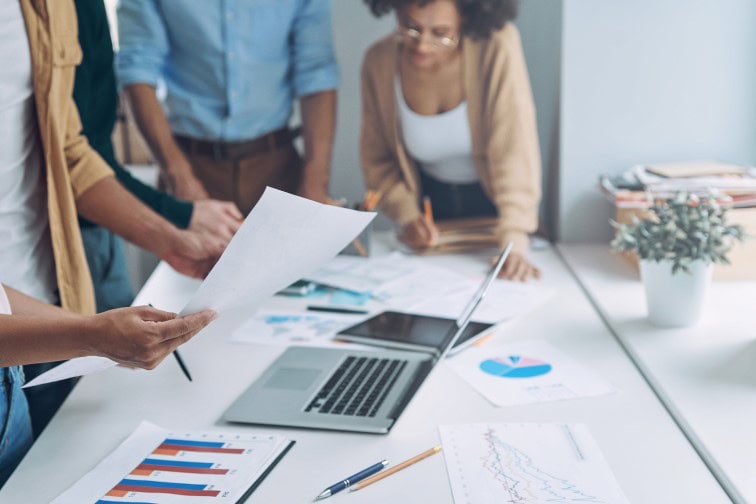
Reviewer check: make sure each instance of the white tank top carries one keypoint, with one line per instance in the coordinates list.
(440, 143)
(26, 256)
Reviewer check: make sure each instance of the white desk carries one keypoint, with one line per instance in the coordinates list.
(706, 375)
(651, 458)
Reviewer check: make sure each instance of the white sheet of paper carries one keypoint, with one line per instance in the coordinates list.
(527, 464)
(284, 238)
(504, 300)
(237, 461)
(360, 274)
(71, 369)
(525, 372)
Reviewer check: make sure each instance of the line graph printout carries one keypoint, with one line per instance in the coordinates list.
(157, 466)
(527, 464)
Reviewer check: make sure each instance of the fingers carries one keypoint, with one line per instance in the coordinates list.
(517, 268)
(233, 212)
(185, 327)
(150, 314)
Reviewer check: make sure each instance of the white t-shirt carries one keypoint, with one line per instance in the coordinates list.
(441, 144)
(26, 257)
(5, 308)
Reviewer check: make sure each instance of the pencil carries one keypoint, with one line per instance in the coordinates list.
(428, 209)
(396, 468)
(371, 200)
(359, 247)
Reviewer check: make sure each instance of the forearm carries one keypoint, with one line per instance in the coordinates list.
(110, 205)
(25, 336)
(152, 123)
(319, 125)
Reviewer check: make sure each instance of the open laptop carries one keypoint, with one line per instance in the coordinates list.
(342, 389)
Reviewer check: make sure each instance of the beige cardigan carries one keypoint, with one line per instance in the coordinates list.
(71, 165)
(503, 130)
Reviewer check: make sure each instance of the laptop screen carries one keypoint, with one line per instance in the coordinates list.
(464, 319)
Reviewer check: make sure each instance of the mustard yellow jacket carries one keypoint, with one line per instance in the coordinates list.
(503, 130)
(71, 165)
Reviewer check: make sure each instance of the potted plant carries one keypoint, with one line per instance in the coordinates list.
(677, 245)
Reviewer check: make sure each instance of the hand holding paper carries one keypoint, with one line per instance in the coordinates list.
(284, 238)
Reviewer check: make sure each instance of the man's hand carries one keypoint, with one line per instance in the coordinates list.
(192, 254)
(518, 268)
(419, 234)
(215, 221)
(142, 336)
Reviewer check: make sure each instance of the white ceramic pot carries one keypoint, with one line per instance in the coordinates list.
(675, 300)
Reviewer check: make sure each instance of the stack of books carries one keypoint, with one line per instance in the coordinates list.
(638, 186)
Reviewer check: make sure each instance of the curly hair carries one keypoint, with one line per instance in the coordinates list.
(480, 18)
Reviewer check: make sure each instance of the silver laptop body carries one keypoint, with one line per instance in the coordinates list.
(346, 390)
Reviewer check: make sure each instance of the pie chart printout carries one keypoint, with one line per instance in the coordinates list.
(515, 366)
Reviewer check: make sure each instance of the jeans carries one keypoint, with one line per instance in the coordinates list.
(456, 201)
(15, 426)
(107, 264)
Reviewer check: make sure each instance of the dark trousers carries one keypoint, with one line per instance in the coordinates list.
(243, 180)
(456, 201)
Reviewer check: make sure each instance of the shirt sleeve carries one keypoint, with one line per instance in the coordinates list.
(313, 60)
(143, 42)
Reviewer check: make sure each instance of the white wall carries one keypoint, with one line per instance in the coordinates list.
(354, 30)
(540, 25)
(646, 81)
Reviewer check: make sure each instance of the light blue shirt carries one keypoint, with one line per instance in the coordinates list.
(232, 68)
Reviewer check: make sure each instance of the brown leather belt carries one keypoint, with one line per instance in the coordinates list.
(229, 151)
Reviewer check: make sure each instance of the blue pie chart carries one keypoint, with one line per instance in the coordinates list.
(515, 366)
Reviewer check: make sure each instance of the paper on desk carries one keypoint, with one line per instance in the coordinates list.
(163, 467)
(527, 464)
(279, 327)
(360, 274)
(504, 300)
(525, 372)
(284, 238)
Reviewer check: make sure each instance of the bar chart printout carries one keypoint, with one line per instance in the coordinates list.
(527, 464)
(156, 466)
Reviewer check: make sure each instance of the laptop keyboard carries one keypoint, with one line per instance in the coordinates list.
(358, 387)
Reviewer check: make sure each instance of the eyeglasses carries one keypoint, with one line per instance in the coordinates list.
(414, 35)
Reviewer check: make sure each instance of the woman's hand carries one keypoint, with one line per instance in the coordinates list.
(142, 336)
(517, 268)
(419, 234)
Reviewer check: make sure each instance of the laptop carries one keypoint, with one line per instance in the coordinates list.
(346, 390)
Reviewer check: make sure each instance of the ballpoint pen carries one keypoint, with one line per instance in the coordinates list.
(180, 361)
(347, 482)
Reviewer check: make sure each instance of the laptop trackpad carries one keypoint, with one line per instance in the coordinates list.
(292, 378)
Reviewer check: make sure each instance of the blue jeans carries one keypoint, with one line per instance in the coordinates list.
(107, 264)
(15, 426)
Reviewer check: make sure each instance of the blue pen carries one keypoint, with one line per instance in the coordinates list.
(341, 485)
